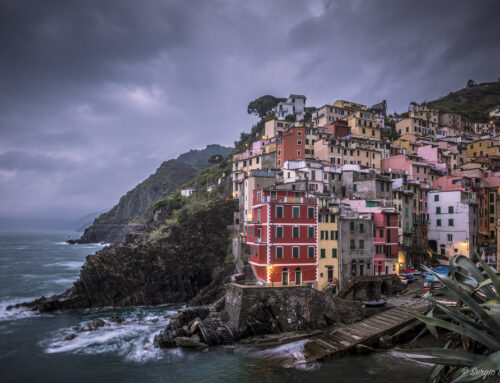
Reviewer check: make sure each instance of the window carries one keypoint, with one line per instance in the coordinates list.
(322, 235)
(436, 197)
(334, 253)
(361, 227)
(438, 223)
(438, 210)
(258, 216)
(351, 226)
(450, 222)
(310, 212)
(332, 235)
(310, 252)
(273, 193)
(322, 252)
(296, 212)
(352, 245)
(295, 252)
(258, 196)
(450, 209)
(310, 232)
(381, 233)
(299, 142)
(279, 211)
(279, 252)
(354, 187)
(450, 237)
(361, 244)
(295, 232)
(279, 232)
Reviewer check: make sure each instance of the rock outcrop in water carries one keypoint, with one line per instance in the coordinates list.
(186, 261)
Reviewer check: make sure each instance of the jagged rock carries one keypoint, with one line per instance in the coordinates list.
(116, 319)
(186, 264)
(190, 342)
(70, 337)
(96, 324)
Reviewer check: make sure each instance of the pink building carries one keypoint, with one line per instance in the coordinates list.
(414, 169)
(432, 155)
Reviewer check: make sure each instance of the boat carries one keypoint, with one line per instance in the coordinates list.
(377, 303)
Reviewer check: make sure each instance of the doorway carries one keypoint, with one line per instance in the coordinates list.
(298, 276)
(285, 277)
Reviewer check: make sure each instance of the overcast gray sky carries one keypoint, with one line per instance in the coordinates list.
(95, 94)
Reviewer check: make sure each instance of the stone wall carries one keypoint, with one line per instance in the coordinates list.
(260, 310)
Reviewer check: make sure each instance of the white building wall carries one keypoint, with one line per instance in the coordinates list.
(457, 239)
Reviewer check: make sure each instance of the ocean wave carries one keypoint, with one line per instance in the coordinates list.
(132, 339)
(70, 265)
(64, 281)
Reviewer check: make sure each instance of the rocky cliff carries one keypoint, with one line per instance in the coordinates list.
(179, 261)
(136, 206)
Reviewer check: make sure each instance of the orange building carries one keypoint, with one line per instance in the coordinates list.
(290, 145)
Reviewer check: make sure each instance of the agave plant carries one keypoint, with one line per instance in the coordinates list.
(474, 323)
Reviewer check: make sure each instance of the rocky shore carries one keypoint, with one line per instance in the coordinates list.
(187, 262)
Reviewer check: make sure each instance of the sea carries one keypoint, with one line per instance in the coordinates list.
(34, 346)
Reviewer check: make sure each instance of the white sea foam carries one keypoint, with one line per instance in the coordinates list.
(17, 313)
(132, 339)
(64, 281)
(290, 354)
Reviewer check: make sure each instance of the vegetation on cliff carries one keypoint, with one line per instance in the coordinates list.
(472, 102)
(135, 207)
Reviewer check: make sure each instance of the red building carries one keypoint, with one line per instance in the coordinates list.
(385, 240)
(283, 237)
(339, 129)
(290, 145)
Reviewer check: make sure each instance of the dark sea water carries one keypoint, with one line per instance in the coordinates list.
(33, 348)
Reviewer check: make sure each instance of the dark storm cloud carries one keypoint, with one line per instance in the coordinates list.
(95, 94)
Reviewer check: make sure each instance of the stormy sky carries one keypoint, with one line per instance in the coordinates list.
(95, 94)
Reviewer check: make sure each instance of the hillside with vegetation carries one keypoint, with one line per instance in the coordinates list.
(136, 205)
(473, 102)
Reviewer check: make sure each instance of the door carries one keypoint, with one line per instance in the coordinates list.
(285, 277)
(361, 269)
(330, 274)
(298, 276)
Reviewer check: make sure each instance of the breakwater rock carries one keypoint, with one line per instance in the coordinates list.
(252, 310)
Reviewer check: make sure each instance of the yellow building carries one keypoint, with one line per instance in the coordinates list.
(483, 148)
(416, 126)
(407, 143)
(328, 246)
(422, 112)
(355, 150)
(363, 124)
(274, 126)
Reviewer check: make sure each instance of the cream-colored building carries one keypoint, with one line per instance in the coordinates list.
(328, 245)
